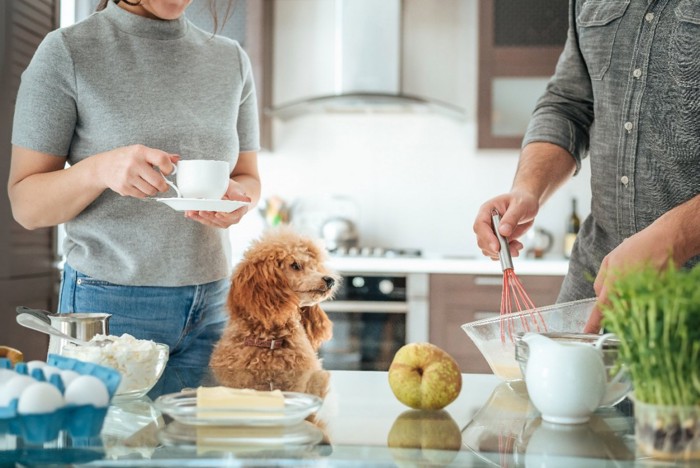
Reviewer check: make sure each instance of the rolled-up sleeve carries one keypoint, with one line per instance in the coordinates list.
(564, 113)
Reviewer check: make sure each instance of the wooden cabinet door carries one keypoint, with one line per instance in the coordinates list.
(28, 272)
(519, 44)
(459, 299)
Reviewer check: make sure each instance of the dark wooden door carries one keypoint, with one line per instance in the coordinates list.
(28, 271)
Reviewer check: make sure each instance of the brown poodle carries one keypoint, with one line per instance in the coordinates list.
(276, 324)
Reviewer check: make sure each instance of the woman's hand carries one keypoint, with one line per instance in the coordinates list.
(134, 170)
(222, 219)
(517, 210)
(43, 192)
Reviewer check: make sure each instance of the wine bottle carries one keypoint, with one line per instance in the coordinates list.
(572, 227)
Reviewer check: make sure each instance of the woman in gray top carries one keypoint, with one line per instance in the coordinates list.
(626, 91)
(120, 97)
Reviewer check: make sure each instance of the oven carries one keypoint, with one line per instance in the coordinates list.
(373, 315)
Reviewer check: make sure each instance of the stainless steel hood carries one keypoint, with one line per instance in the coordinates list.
(344, 56)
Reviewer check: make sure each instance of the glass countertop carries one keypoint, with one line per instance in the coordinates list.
(360, 423)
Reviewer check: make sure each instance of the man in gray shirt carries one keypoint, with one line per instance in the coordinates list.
(626, 91)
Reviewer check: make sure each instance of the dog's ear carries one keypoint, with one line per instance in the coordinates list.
(318, 326)
(260, 290)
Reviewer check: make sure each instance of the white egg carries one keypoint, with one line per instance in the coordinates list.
(14, 388)
(40, 398)
(5, 376)
(87, 390)
(67, 376)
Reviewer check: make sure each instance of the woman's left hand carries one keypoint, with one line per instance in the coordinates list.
(220, 219)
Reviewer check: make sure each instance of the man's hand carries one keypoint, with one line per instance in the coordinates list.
(653, 246)
(517, 210)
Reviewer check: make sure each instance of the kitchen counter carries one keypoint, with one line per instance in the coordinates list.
(453, 265)
(360, 423)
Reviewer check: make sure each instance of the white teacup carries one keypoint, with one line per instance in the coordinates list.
(201, 178)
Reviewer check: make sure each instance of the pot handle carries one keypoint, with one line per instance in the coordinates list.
(42, 315)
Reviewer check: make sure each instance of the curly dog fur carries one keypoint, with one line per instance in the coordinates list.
(275, 324)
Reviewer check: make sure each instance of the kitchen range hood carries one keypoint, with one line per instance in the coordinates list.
(346, 56)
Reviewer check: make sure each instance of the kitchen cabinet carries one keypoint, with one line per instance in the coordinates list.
(456, 299)
(258, 46)
(249, 23)
(28, 273)
(519, 45)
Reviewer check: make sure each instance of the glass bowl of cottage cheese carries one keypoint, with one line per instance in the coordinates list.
(140, 362)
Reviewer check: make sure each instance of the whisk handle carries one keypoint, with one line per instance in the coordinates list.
(504, 252)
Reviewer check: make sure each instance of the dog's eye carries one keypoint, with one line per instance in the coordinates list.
(296, 266)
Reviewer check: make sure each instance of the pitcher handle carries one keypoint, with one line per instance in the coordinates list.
(599, 345)
(602, 339)
(550, 239)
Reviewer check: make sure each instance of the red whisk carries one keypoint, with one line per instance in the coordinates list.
(514, 298)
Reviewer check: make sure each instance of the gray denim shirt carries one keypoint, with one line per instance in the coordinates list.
(626, 91)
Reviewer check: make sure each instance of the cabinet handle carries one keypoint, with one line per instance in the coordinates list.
(482, 314)
(488, 280)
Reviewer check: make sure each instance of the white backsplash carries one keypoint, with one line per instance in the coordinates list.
(418, 179)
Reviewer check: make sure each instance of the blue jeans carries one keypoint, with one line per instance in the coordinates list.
(189, 319)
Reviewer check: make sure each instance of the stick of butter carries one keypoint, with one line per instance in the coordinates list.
(261, 404)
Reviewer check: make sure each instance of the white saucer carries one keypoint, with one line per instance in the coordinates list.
(201, 204)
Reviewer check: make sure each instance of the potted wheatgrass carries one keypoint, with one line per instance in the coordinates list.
(656, 316)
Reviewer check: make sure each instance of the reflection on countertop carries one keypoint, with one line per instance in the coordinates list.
(360, 423)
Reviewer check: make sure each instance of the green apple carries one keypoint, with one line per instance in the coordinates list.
(423, 376)
(423, 435)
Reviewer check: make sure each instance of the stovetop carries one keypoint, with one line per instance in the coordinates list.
(378, 252)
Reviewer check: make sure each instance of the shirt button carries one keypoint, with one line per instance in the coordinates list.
(625, 180)
(637, 72)
(649, 17)
(628, 126)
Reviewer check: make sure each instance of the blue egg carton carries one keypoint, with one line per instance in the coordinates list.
(81, 421)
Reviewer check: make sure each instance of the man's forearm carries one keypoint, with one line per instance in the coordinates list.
(681, 225)
(542, 169)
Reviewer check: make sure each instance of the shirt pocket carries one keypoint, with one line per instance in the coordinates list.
(597, 24)
(684, 50)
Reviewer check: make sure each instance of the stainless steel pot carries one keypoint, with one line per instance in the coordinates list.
(339, 232)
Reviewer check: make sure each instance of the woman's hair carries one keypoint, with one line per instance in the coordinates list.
(212, 9)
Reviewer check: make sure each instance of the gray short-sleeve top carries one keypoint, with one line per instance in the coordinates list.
(117, 79)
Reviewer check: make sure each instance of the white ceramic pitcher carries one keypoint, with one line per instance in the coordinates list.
(566, 381)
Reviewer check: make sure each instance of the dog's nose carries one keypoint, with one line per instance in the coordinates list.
(330, 281)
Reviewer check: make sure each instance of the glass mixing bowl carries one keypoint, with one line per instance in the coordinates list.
(499, 350)
(140, 362)
(507, 354)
